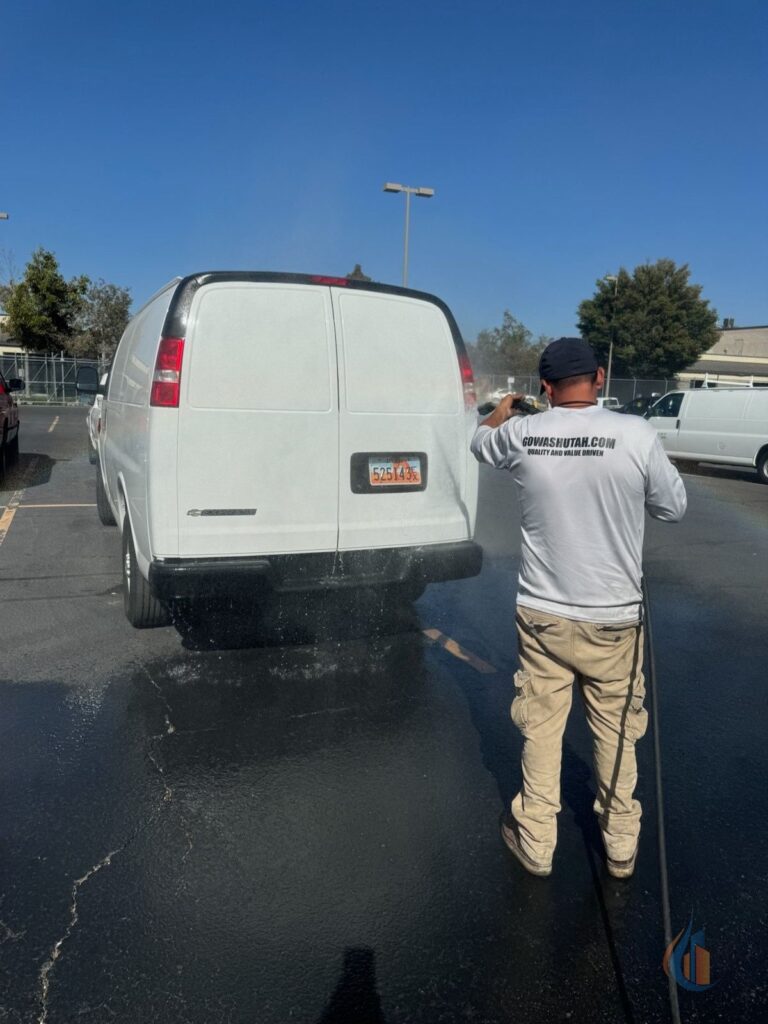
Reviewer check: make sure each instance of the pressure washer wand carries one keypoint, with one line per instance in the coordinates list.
(525, 405)
(661, 831)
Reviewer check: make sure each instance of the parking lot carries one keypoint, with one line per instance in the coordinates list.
(292, 814)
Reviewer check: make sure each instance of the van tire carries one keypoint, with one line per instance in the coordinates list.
(102, 502)
(142, 609)
(762, 467)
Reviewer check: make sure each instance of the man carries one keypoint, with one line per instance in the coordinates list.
(584, 477)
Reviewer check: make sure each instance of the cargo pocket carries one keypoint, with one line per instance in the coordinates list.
(519, 709)
(637, 716)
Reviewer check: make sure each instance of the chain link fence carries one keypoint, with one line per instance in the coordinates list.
(48, 379)
(51, 379)
(486, 384)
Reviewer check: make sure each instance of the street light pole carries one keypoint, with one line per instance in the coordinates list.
(405, 235)
(424, 193)
(611, 277)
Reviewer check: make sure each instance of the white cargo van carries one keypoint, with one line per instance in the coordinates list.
(270, 432)
(725, 425)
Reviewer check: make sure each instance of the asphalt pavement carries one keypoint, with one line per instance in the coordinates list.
(293, 815)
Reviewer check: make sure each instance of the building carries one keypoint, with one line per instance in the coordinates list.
(7, 345)
(739, 356)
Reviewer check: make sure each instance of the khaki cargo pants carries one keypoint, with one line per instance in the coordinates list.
(606, 660)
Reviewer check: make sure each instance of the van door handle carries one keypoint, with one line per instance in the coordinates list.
(677, 425)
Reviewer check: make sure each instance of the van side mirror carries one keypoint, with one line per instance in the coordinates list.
(87, 380)
(16, 384)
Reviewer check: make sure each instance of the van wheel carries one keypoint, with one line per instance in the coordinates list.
(142, 609)
(102, 502)
(762, 468)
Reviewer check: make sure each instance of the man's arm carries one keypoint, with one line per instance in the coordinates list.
(490, 444)
(664, 490)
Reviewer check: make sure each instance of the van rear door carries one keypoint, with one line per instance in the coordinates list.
(403, 426)
(258, 441)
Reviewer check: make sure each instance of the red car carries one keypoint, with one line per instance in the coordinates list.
(9, 422)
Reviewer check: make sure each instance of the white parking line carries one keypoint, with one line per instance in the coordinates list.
(55, 421)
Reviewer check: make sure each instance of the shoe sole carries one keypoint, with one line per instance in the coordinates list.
(541, 871)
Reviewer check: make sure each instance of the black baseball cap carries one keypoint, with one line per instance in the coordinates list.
(566, 357)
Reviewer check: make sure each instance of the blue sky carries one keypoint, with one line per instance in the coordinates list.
(563, 139)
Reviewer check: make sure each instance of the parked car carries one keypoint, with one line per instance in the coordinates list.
(274, 432)
(721, 425)
(9, 422)
(639, 405)
(608, 403)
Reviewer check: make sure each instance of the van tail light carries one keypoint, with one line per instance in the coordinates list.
(340, 282)
(468, 380)
(166, 380)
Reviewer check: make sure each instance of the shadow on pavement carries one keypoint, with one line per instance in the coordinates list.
(31, 470)
(712, 470)
(355, 999)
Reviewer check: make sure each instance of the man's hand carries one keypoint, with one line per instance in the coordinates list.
(504, 411)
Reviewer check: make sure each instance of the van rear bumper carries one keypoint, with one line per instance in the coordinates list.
(180, 578)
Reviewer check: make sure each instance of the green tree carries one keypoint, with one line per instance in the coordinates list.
(508, 348)
(8, 275)
(43, 307)
(102, 320)
(658, 320)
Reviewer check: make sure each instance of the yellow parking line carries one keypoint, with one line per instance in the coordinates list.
(15, 500)
(458, 651)
(5, 521)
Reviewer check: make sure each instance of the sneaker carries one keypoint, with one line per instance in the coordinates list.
(622, 868)
(511, 836)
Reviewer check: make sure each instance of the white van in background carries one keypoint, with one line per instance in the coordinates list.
(722, 425)
(287, 432)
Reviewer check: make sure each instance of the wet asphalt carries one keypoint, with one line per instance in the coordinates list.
(293, 815)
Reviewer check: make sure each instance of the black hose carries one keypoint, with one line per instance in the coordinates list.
(663, 872)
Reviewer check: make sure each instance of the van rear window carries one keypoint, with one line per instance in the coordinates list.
(259, 346)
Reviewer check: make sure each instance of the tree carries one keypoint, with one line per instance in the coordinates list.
(508, 348)
(658, 320)
(8, 275)
(357, 274)
(43, 307)
(102, 320)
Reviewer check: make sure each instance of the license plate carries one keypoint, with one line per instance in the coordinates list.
(394, 472)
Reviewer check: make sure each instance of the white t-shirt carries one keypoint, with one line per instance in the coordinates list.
(585, 477)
